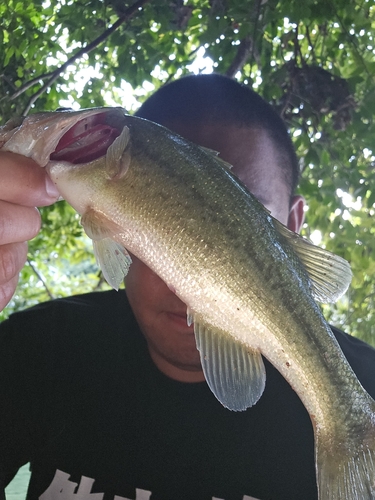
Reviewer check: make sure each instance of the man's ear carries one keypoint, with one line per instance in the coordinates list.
(296, 213)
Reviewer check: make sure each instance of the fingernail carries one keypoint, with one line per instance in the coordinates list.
(51, 188)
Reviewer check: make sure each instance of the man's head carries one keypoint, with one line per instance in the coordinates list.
(217, 113)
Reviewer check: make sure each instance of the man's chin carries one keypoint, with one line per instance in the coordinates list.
(181, 363)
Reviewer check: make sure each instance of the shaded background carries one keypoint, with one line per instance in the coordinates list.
(312, 60)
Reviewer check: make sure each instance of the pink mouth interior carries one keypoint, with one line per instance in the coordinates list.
(88, 140)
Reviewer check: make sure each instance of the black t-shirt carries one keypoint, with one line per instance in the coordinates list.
(82, 401)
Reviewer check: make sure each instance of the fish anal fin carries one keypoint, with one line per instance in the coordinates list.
(235, 374)
(330, 275)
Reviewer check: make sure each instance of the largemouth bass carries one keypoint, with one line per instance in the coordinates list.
(248, 282)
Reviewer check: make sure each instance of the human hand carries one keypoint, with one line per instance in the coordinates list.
(24, 185)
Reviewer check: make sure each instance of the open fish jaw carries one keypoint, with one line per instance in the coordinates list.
(75, 136)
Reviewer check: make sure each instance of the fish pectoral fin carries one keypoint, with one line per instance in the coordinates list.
(113, 259)
(118, 156)
(235, 374)
(330, 275)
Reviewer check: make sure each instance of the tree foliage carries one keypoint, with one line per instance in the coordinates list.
(312, 60)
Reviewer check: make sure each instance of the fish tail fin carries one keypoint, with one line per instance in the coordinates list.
(347, 472)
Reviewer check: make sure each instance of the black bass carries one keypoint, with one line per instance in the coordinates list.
(248, 282)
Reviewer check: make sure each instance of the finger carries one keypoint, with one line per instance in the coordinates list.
(24, 182)
(18, 223)
(7, 291)
(12, 260)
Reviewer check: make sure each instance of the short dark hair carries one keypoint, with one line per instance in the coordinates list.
(215, 98)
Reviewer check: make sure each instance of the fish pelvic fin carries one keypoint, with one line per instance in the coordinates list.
(330, 275)
(346, 473)
(97, 226)
(112, 258)
(235, 374)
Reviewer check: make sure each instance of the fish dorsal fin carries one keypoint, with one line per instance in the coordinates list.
(112, 258)
(214, 153)
(234, 373)
(330, 275)
(118, 155)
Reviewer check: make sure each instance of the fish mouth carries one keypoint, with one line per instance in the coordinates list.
(89, 139)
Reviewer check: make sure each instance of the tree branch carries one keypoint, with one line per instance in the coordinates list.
(310, 44)
(352, 41)
(9, 82)
(246, 48)
(243, 53)
(29, 84)
(297, 49)
(40, 278)
(53, 76)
